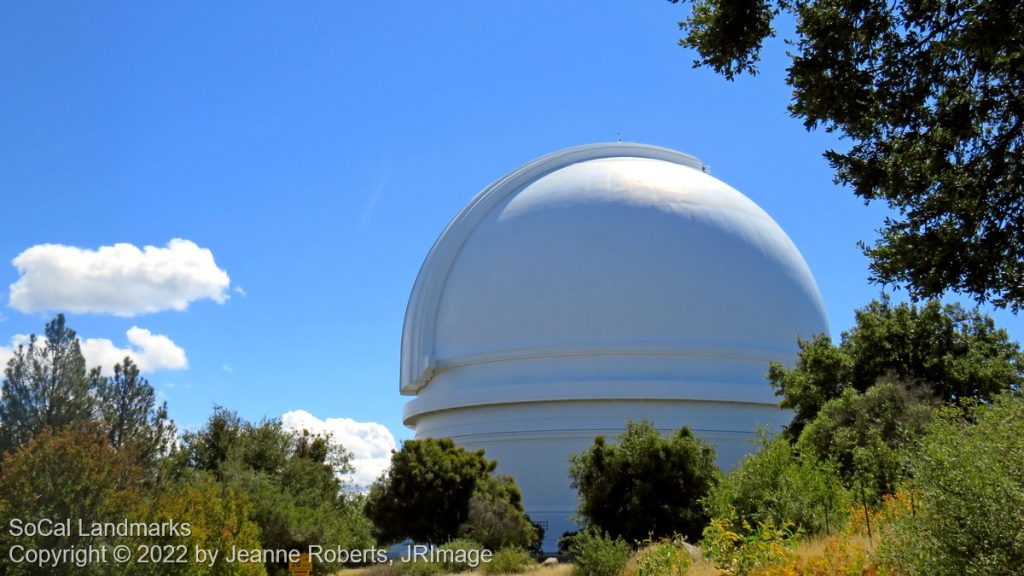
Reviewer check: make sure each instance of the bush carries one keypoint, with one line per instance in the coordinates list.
(467, 560)
(508, 561)
(496, 518)
(868, 434)
(421, 569)
(968, 496)
(664, 558)
(596, 554)
(743, 550)
(831, 556)
(647, 486)
(775, 485)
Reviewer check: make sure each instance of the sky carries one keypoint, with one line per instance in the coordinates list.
(240, 195)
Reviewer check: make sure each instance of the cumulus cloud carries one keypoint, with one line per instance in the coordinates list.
(122, 279)
(369, 443)
(150, 352)
(5, 354)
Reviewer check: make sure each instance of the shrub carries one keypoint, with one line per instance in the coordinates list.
(867, 434)
(831, 556)
(648, 485)
(664, 558)
(496, 518)
(421, 569)
(596, 554)
(775, 485)
(968, 488)
(467, 560)
(744, 555)
(508, 561)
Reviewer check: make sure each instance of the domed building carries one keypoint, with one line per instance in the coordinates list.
(594, 285)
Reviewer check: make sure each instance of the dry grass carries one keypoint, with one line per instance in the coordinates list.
(560, 570)
(806, 553)
(703, 568)
(835, 554)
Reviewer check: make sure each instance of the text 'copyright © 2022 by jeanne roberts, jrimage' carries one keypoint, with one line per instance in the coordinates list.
(98, 543)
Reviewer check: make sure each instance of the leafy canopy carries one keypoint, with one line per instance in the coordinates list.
(950, 352)
(968, 484)
(647, 485)
(291, 478)
(931, 97)
(496, 518)
(779, 486)
(868, 434)
(436, 490)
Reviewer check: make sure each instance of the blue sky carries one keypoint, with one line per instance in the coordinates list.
(316, 150)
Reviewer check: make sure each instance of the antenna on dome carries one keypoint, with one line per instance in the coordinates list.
(618, 136)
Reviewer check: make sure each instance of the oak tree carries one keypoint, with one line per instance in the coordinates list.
(930, 97)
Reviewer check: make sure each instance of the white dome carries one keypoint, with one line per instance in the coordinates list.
(612, 250)
(595, 285)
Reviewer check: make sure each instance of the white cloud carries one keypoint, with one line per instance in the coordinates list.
(150, 352)
(122, 279)
(240, 291)
(5, 354)
(369, 443)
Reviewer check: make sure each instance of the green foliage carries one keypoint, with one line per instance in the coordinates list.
(776, 486)
(467, 560)
(496, 517)
(663, 558)
(512, 560)
(594, 553)
(647, 485)
(425, 494)
(968, 489)
(291, 479)
(219, 519)
(73, 473)
(954, 354)
(45, 385)
(131, 416)
(743, 550)
(70, 473)
(928, 94)
(868, 434)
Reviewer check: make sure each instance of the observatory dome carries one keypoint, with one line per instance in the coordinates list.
(596, 284)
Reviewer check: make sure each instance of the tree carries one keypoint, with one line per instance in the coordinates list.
(952, 353)
(930, 96)
(130, 415)
(646, 486)
(869, 434)
(66, 473)
(425, 494)
(45, 385)
(436, 490)
(291, 478)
